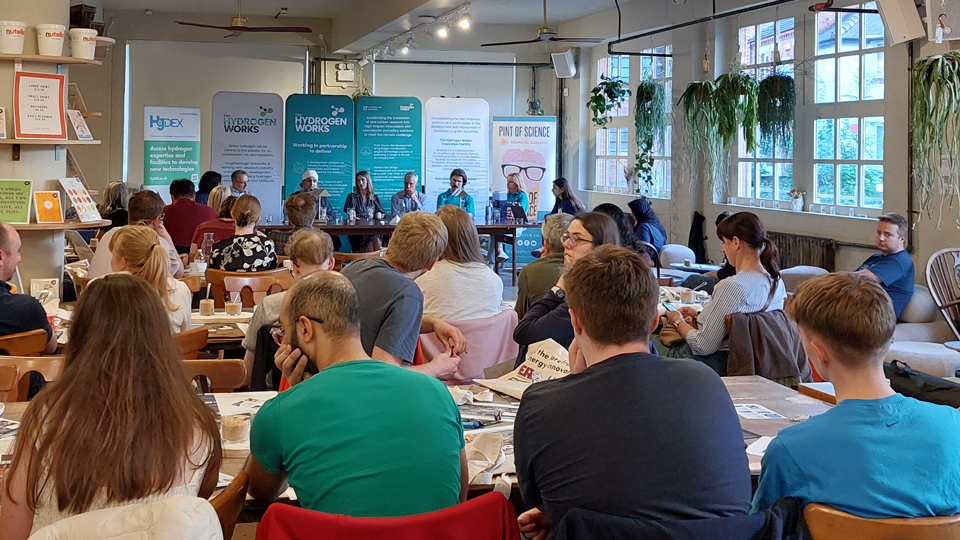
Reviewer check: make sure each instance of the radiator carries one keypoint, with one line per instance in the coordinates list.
(796, 250)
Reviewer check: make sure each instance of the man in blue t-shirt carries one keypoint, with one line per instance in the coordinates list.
(877, 454)
(892, 267)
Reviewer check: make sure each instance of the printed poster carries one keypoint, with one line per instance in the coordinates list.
(171, 145)
(81, 201)
(47, 206)
(38, 106)
(247, 134)
(79, 125)
(389, 142)
(15, 201)
(320, 136)
(457, 136)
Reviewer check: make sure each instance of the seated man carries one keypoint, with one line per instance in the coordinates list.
(391, 304)
(301, 210)
(309, 250)
(626, 433)
(145, 208)
(18, 312)
(877, 454)
(538, 277)
(892, 267)
(361, 437)
(238, 183)
(309, 183)
(410, 199)
(183, 216)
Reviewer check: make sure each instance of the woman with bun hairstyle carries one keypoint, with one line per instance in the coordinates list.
(248, 250)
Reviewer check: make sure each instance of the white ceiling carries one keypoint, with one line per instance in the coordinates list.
(531, 11)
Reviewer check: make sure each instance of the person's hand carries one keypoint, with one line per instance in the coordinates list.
(450, 336)
(162, 231)
(674, 317)
(689, 314)
(578, 362)
(444, 365)
(291, 362)
(534, 524)
(560, 283)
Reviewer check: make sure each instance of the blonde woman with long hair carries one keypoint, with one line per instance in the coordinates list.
(136, 249)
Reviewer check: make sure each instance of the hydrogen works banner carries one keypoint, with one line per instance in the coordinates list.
(389, 141)
(171, 144)
(320, 136)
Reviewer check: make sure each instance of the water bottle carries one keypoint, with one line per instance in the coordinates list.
(488, 214)
(207, 246)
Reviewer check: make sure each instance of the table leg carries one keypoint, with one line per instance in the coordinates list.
(513, 275)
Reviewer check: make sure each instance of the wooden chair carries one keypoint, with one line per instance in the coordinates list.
(9, 377)
(341, 258)
(215, 282)
(258, 286)
(224, 375)
(192, 341)
(192, 282)
(826, 523)
(229, 502)
(944, 286)
(79, 284)
(30, 343)
(49, 367)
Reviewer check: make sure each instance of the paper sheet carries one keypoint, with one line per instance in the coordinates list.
(759, 447)
(752, 411)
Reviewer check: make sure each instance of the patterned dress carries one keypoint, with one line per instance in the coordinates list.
(244, 253)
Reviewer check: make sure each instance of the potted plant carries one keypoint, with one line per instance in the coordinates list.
(605, 97)
(935, 126)
(650, 119)
(776, 108)
(736, 103)
(703, 136)
(796, 199)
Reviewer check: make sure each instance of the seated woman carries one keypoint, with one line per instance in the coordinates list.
(460, 286)
(516, 192)
(649, 229)
(222, 227)
(136, 249)
(756, 287)
(549, 317)
(114, 205)
(365, 203)
(567, 202)
(121, 425)
(209, 181)
(457, 194)
(627, 238)
(248, 250)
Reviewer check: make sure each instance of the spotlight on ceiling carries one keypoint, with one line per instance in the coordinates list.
(409, 44)
(444, 30)
(465, 21)
(390, 51)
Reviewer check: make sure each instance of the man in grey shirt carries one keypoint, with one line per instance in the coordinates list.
(408, 200)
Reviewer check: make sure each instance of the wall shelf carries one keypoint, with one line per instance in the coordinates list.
(48, 59)
(40, 142)
(91, 114)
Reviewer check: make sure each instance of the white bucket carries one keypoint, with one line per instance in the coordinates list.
(50, 39)
(11, 36)
(84, 43)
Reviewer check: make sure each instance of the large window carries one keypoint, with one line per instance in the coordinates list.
(616, 67)
(613, 147)
(660, 69)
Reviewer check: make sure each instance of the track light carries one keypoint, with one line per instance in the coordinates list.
(428, 35)
(390, 51)
(465, 21)
(444, 30)
(409, 44)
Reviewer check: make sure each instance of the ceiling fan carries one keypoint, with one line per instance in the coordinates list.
(545, 33)
(239, 24)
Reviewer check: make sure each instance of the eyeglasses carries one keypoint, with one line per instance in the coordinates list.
(573, 240)
(533, 172)
(277, 332)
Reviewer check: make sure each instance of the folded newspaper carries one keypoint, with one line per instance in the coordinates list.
(545, 360)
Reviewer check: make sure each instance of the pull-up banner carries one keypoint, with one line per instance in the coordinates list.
(389, 141)
(171, 145)
(458, 137)
(320, 136)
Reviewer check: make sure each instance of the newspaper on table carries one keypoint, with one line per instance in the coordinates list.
(545, 360)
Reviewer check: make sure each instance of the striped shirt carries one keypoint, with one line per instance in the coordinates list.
(745, 292)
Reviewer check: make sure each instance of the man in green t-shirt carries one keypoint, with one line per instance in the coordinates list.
(361, 437)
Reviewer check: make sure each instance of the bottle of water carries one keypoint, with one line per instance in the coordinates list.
(207, 246)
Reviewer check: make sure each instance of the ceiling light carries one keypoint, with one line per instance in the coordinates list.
(428, 35)
(465, 21)
(390, 51)
(444, 30)
(409, 44)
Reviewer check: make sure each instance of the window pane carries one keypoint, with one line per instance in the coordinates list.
(873, 186)
(848, 185)
(826, 139)
(665, 184)
(784, 181)
(601, 141)
(849, 138)
(826, 80)
(872, 28)
(659, 71)
(784, 148)
(625, 69)
(850, 78)
(667, 142)
(603, 68)
(645, 63)
(873, 76)
(873, 138)
(764, 147)
(601, 180)
(612, 173)
(624, 142)
(611, 142)
(849, 32)
(669, 50)
(621, 170)
(826, 33)
(748, 45)
(746, 179)
(767, 43)
(765, 174)
(785, 39)
(763, 73)
(826, 183)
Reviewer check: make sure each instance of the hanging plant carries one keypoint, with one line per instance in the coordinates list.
(736, 103)
(364, 91)
(605, 97)
(935, 126)
(650, 120)
(703, 134)
(776, 107)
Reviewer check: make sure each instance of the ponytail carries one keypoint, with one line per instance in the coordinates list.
(750, 230)
(246, 210)
(146, 258)
(770, 259)
(155, 270)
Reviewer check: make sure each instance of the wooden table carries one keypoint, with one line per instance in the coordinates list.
(823, 391)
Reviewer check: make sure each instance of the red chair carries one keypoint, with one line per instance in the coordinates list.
(488, 517)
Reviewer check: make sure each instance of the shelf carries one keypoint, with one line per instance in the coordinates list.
(48, 59)
(66, 225)
(46, 142)
(91, 114)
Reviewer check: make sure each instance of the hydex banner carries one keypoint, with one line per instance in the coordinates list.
(458, 137)
(320, 136)
(389, 141)
(247, 134)
(171, 144)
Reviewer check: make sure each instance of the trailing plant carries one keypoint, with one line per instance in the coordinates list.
(776, 108)
(363, 91)
(703, 136)
(605, 97)
(736, 103)
(935, 126)
(650, 119)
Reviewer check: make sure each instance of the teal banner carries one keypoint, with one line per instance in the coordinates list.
(389, 141)
(320, 136)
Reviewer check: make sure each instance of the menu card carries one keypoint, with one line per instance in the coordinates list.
(38, 106)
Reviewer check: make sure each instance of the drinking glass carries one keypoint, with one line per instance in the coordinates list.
(232, 308)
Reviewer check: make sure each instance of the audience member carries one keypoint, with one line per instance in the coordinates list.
(136, 249)
(877, 454)
(572, 447)
(121, 425)
(248, 250)
(391, 304)
(310, 183)
(410, 199)
(309, 250)
(460, 286)
(756, 287)
(892, 267)
(365, 205)
(301, 210)
(387, 442)
(238, 183)
(567, 201)
(182, 217)
(457, 194)
(516, 192)
(549, 317)
(648, 229)
(628, 239)
(145, 208)
(208, 181)
(18, 312)
(222, 227)
(114, 205)
(710, 279)
(538, 277)
(217, 196)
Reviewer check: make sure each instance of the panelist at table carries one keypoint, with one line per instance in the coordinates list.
(365, 205)
(310, 183)
(409, 199)
(457, 195)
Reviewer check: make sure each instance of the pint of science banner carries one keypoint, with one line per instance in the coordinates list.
(171, 145)
(458, 137)
(247, 134)
(320, 136)
(389, 141)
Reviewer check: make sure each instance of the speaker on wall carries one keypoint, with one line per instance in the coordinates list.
(563, 64)
(901, 19)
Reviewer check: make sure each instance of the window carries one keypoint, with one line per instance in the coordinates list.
(613, 147)
(847, 66)
(767, 171)
(616, 67)
(660, 69)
